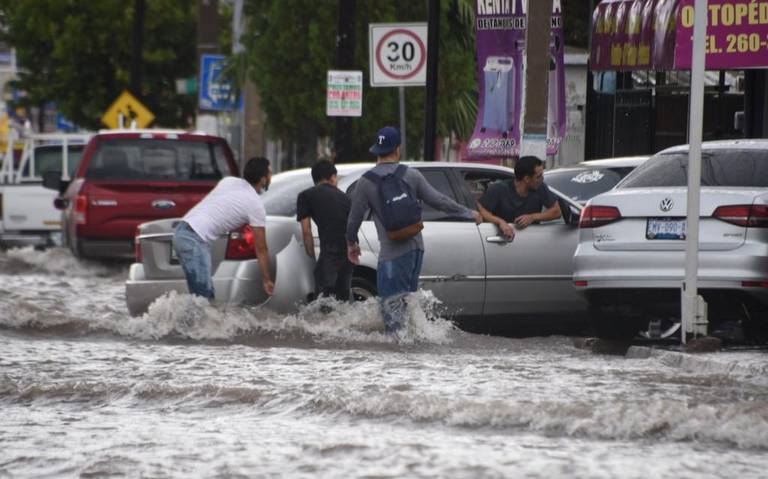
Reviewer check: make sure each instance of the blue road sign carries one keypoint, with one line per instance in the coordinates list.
(215, 92)
(62, 124)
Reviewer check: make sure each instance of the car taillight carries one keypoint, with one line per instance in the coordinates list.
(755, 284)
(594, 216)
(752, 216)
(81, 206)
(137, 253)
(241, 244)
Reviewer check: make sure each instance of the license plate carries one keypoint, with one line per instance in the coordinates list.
(666, 229)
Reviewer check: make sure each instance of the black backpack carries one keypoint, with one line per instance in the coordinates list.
(400, 209)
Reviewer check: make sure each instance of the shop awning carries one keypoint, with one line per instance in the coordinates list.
(657, 34)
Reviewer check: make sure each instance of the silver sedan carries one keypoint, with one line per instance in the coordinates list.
(476, 273)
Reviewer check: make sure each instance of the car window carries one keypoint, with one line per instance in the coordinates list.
(726, 167)
(478, 181)
(155, 159)
(582, 184)
(49, 158)
(439, 181)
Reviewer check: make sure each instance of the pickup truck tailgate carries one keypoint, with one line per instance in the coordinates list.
(29, 207)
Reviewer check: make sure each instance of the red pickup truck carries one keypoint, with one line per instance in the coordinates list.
(128, 177)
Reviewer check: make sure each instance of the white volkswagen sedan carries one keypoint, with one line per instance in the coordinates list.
(630, 260)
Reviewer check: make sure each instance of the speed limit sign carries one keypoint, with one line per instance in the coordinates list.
(398, 54)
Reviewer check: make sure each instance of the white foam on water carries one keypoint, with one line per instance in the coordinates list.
(744, 425)
(195, 318)
(56, 261)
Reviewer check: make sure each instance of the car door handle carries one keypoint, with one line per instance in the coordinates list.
(498, 239)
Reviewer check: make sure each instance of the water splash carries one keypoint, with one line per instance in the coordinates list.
(324, 320)
(55, 261)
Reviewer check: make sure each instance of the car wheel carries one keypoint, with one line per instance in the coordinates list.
(362, 288)
(618, 322)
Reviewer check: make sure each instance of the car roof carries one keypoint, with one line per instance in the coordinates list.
(154, 133)
(350, 168)
(742, 144)
(621, 162)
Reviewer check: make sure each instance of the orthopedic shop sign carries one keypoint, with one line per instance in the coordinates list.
(737, 34)
(501, 31)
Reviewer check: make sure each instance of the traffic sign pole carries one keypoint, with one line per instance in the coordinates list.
(430, 115)
(398, 57)
(403, 136)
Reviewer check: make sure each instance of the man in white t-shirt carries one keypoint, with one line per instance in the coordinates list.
(231, 204)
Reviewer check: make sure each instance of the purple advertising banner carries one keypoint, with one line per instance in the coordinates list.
(556, 81)
(501, 30)
(500, 27)
(634, 35)
(645, 44)
(604, 27)
(664, 35)
(631, 50)
(737, 34)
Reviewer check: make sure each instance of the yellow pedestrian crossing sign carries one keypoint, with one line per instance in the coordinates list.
(130, 109)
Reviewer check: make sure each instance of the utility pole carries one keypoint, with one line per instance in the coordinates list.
(430, 115)
(536, 86)
(139, 9)
(345, 60)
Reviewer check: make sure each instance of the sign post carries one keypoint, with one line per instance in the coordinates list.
(694, 317)
(398, 57)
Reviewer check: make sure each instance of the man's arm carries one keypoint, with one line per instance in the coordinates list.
(309, 241)
(429, 195)
(503, 226)
(356, 215)
(260, 240)
(551, 213)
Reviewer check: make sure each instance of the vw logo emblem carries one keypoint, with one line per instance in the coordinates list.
(666, 204)
(163, 204)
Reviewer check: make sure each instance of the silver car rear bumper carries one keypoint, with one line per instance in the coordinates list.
(235, 282)
(722, 270)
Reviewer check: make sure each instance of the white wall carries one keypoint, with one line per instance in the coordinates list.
(572, 147)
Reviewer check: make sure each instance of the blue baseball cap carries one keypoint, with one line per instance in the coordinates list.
(387, 140)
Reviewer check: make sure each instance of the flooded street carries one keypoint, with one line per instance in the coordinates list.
(189, 390)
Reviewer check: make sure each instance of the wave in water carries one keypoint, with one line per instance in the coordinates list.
(183, 315)
(743, 425)
(54, 261)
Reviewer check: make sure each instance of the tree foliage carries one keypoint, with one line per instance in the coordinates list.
(78, 54)
(290, 45)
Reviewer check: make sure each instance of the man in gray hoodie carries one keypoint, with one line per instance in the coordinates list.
(399, 262)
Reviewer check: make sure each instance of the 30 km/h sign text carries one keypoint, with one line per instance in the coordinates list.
(398, 54)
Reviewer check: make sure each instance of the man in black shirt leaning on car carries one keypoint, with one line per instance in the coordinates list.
(329, 208)
(520, 201)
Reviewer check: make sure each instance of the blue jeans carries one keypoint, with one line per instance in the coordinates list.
(195, 258)
(395, 279)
